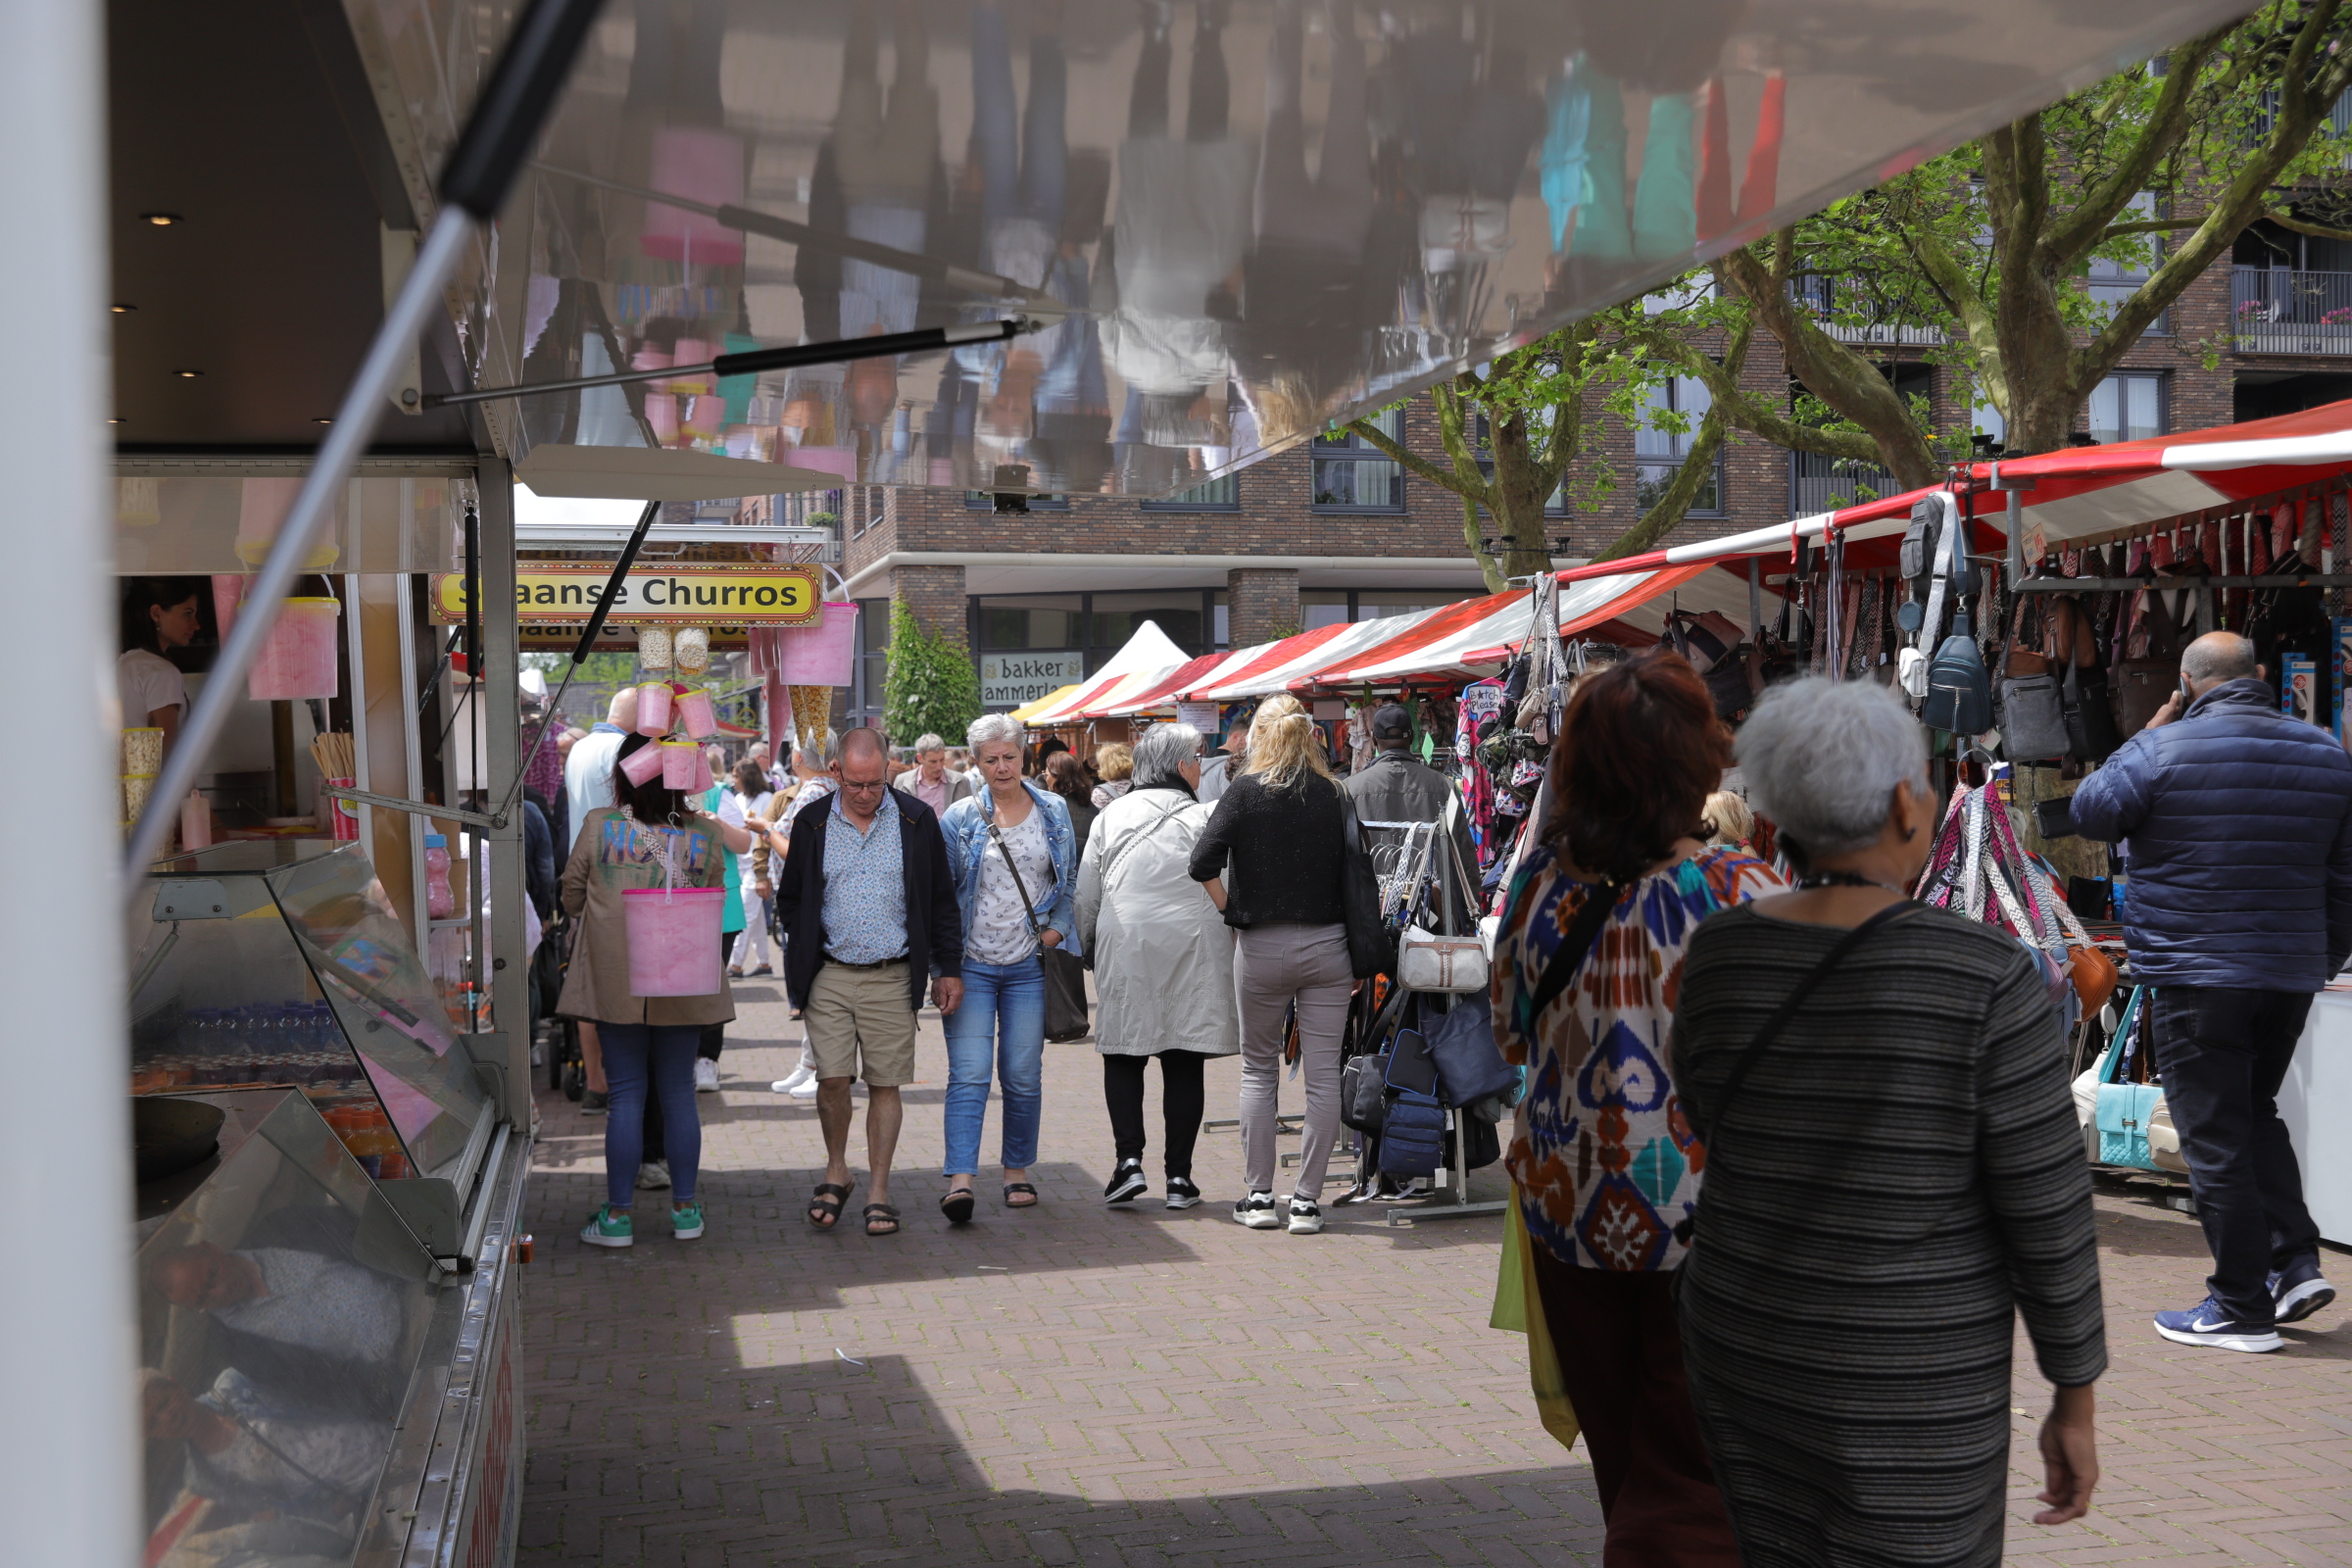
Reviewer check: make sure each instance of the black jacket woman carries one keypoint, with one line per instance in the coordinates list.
(1273, 856)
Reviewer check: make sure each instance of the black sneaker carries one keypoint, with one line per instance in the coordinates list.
(1182, 1193)
(1126, 1184)
(1306, 1217)
(1258, 1212)
(593, 1104)
(2299, 1291)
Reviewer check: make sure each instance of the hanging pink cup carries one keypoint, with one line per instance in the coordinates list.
(701, 772)
(641, 765)
(653, 708)
(674, 939)
(697, 713)
(298, 657)
(228, 595)
(680, 761)
(823, 655)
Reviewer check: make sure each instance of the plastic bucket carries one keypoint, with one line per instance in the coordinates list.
(674, 939)
(823, 654)
(697, 713)
(701, 772)
(228, 596)
(653, 708)
(641, 765)
(680, 761)
(298, 659)
(343, 815)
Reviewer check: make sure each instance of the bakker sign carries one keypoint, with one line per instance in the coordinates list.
(693, 595)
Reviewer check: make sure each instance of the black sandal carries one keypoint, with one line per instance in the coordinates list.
(957, 1205)
(824, 1209)
(1011, 1188)
(882, 1211)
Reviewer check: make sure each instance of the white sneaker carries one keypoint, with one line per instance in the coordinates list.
(653, 1176)
(803, 1091)
(1306, 1217)
(802, 1074)
(1258, 1212)
(706, 1076)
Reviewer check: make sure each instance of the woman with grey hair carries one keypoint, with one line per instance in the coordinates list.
(1162, 958)
(1894, 1174)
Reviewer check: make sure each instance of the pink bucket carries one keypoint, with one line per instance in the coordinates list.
(228, 594)
(697, 713)
(641, 765)
(653, 708)
(680, 761)
(701, 772)
(673, 936)
(823, 655)
(298, 657)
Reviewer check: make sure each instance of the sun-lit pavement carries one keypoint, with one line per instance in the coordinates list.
(1082, 1386)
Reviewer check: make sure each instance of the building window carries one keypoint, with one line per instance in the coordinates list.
(2111, 282)
(874, 666)
(986, 501)
(1350, 475)
(1336, 607)
(1016, 624)
(1211, 495)
(1658, 450)
(2128, 405)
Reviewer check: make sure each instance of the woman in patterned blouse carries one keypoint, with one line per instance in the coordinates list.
(1606, 1164)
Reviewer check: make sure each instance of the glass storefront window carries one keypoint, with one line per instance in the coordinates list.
(1032, 620)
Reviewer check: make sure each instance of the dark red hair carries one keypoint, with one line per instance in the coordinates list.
(1640, 751)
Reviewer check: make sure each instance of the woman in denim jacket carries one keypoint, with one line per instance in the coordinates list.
(1015, 862)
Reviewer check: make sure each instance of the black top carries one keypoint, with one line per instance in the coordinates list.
(1288, 850)
(934, 924)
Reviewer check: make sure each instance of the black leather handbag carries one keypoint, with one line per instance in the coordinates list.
(1371, 945)
(1470, 1065)
(1065, 977)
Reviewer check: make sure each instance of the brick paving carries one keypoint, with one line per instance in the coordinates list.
(1079, 1385)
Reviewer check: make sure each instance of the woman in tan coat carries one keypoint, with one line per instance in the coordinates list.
(645, 1037)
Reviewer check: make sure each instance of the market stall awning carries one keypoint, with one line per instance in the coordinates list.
(1147, 652)
(1160, 689)
(1279, 665)
(2081, 494)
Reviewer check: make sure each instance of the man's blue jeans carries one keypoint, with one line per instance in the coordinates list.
(1000, 1024)
(665, 1052)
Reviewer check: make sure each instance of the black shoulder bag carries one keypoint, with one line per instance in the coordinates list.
(1065, 977)
(1371, 945)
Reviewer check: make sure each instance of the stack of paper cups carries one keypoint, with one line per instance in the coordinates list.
(143, 751)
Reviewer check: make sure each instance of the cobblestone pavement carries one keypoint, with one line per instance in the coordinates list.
(1074, 1385)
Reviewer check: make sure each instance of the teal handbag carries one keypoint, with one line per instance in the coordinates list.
(2124, 1110)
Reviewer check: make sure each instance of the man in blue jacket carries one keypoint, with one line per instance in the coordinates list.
(2238, 823)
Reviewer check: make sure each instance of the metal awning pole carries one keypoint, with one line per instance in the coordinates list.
(69, 1339)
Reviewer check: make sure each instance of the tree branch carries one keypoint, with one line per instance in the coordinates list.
(1696, 467)
(2067, 240)
(2302, 225)
(1378, 439)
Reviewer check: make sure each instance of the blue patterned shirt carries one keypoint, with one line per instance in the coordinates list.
(865, 886)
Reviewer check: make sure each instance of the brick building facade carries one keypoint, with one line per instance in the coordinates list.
(1328, 531)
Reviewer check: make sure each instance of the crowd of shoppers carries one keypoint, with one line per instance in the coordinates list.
(1792, 1156)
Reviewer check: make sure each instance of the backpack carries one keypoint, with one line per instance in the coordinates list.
(1959, 696)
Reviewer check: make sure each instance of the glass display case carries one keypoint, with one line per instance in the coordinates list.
(284, 1305)
(282, 963)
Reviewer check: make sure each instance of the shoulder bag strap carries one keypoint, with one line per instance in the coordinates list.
(1118, 851)
(1577, 941)
(1019, 886)
(1786, 1011)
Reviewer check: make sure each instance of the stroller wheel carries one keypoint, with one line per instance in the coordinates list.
(575, 1081)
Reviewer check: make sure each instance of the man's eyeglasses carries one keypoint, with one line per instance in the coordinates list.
(851, 784)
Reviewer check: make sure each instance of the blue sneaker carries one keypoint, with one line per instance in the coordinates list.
(2208, 1323)
(2299, 1291)
(609, 1227)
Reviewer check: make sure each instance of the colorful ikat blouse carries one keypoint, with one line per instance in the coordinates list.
(1607, 1164)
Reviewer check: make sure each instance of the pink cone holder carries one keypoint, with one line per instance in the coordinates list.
(642, 764)
(680, 761)
(697, 713)
(653, 708)
(823, 655)
(298, 657)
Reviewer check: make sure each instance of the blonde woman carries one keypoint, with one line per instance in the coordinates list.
(1727, 820)
(1279, 832)
(1114, 766)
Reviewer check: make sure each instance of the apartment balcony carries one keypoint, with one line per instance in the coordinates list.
(2274, 310)
(1818, 484)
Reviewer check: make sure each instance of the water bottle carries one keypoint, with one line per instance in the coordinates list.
(440, 903)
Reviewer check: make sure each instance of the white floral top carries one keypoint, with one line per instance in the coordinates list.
(1000, 932)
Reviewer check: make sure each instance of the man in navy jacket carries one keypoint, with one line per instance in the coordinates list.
(2238, 822)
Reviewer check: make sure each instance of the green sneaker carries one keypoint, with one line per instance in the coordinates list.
(609, 1227)
(686, 1223)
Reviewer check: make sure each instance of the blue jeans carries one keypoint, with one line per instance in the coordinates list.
(671, 1050)
(1001, 1023)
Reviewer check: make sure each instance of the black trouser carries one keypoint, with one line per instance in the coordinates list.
(714, 1035)
(2222, 1052)
(1182, 1101)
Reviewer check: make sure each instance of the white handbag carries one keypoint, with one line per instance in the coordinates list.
(1428, 962)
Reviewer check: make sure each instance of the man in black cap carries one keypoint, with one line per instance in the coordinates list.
(1396, 786)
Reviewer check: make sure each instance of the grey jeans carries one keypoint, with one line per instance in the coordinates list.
(1274, 966)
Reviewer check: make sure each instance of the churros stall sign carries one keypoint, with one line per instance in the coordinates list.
(699, 595)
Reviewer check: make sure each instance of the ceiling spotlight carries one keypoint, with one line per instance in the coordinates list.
(322, 422)
(122, 309)
(116, 422)
(159, 219)
(187, 376)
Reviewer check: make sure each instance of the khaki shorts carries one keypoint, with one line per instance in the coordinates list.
(860, 1017)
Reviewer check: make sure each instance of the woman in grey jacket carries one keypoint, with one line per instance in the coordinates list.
(1163, 959)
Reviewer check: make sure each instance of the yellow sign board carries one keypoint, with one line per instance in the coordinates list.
(727, 595)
